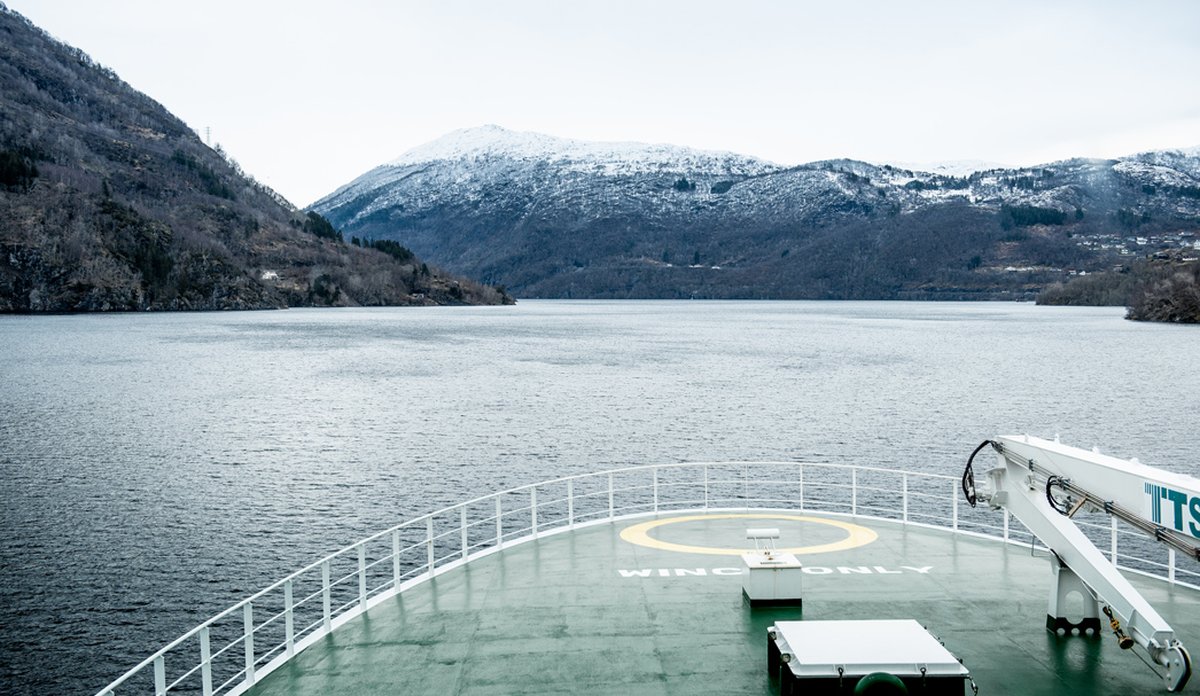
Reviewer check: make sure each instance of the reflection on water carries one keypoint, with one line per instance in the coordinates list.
(157, 468)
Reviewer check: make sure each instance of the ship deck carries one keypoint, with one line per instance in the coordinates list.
(590, 611)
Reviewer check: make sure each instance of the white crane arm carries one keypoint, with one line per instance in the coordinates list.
(1019, 483)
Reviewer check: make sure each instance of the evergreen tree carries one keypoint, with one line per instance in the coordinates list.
(317, 225)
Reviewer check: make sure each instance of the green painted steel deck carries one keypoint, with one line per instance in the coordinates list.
(587, 611)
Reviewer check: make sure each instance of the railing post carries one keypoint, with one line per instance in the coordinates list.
(1171, 566)
(656, 489)
(362, 576)
(854, 491)
(1007, 514)
(904, 488)
(705, 486)
(954, 503)
(248, 639)
(326, 598)
(499, 523)
(1113, 552)
(206, 682)
(533, 510)
(462, 526)
(610, 497)
(160, 676)
(801, 488)
(571, 503)
(429, 542)
(396, 559)
(289, 619)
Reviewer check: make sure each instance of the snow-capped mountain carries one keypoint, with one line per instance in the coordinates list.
(465, 159)
(491, 141)
(556, 217)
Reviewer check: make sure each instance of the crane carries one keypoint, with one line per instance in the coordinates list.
(1044, 484)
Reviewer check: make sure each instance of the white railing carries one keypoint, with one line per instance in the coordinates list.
(262, 632)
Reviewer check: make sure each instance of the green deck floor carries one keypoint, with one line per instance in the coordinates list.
(557, 616)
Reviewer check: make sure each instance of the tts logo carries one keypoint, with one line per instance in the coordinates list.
(1174, 509)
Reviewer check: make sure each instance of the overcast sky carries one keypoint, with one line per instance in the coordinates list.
(307, 95)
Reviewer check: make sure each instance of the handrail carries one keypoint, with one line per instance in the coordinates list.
(424, 560)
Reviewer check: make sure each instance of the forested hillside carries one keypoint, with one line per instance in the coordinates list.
(108, 202)
(1165, 287)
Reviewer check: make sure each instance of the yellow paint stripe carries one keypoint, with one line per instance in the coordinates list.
(856, 535)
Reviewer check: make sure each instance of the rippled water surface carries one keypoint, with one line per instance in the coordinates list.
(157, 468)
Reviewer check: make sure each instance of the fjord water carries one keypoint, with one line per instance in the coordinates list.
(157, 468)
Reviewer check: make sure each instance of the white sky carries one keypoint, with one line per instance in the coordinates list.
(308, 95)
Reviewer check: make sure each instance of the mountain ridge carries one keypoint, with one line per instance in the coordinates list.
(491, 140)
(671, 222)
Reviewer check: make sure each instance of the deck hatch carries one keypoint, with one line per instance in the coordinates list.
(831, 656)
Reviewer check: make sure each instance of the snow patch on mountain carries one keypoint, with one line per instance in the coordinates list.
(955, 168)
(491, 141)
(1154, 174)
(1186, 159)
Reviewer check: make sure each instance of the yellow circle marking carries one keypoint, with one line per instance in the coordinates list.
(856, 535)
